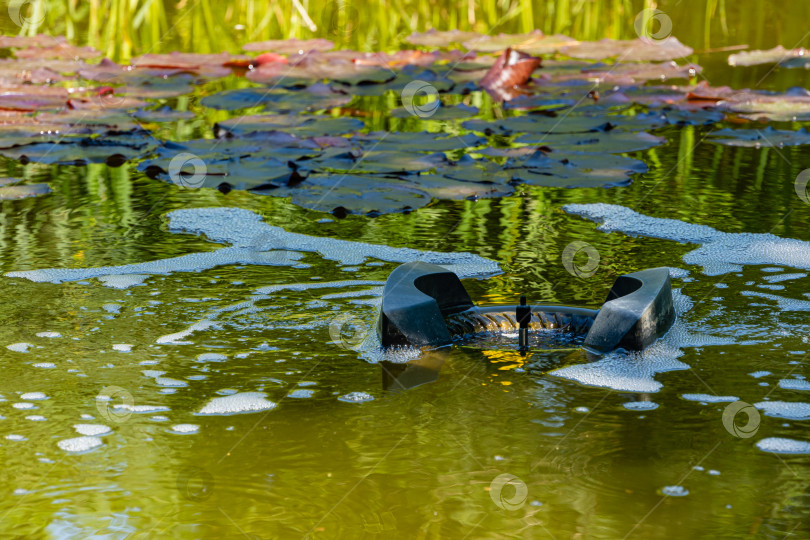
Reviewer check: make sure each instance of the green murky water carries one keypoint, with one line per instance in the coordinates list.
(421, 463)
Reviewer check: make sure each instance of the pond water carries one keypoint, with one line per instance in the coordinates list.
(219, 376)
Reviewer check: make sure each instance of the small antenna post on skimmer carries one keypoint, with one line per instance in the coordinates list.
(523, 315)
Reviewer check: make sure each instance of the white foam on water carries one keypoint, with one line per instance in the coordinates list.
(674, 491)
(356, 397)
(14, 437)
(80, 444)
(92, 430)
(719, 252)
(112, 308)
(25, 406)
(122, 347)
(759, 374)
(251, 241)
(141, 409)
(640, 405)
(635, 371)
(49, 334)
(159, 418)
(301, 393)
(784, 304)
(33, 396)
(44, 365)
(211, 357)
(185, 429)
(19, 347)
(36, 418)
(243, 402)
(709, 398)
(178, 337)
(780, 445)
(121, 281)
(785, 409)
(168, 382)
(794, 384)
(776, 278)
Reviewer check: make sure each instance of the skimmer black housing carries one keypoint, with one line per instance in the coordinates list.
(425, 305)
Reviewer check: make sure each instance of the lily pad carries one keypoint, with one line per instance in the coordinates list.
(435, 38)
(614, 142)
(8, 192)
(290, 46)
(346, 193)
(314, 97)
(574, 169)
(376, 162)
(318, 68)
(537, 123)
(417, 141)
(300, 125)
(778, 55)
(629, 50)
(533, 42)
(440, 112)
(760, 138)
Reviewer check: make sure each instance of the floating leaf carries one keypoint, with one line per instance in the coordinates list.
(111, 149)
(574, 169)
(8, 192)
(629, 50)
(440, 113)
(537, 123)
(760, 138)
(534, 42)
(778, 55)
(290, 46)
(613, 142)
(444, 187)
(300, 125)
(346, 193)
(318, 68)
(163, 114)
(314, 97)
(375, 162)
(417, 142)
(435, 38)
(509, 74)
(59, 51)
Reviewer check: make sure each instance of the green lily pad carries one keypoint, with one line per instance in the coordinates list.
(435, 38)
(613, 142)
(760, 138)
(440, 112)
(417, 141)
(315, 97)
(346, 193)
(300, 125)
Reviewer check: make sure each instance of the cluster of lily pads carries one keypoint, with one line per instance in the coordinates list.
(565, 124)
